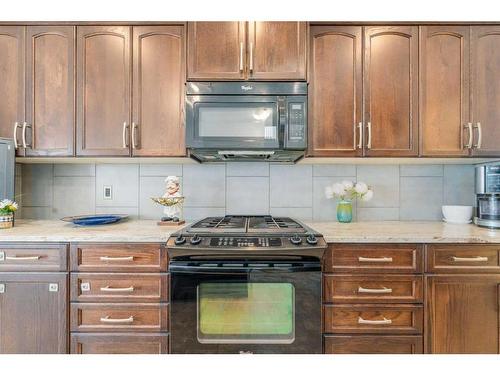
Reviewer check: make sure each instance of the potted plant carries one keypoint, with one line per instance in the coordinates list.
(346, 191)
(7, 209)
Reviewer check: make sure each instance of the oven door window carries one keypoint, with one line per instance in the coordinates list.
(260, 313)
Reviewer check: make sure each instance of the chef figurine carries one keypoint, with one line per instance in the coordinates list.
(173, 212)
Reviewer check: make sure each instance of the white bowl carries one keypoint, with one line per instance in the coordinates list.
(457, 214)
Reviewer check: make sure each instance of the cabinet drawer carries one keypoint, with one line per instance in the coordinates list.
(33, 257)
(119, 317)
(340, 344)
(365, 258)
(119, 343)
(372, 288)
(118, 257)
(463, 258)
(391, 319)
(119, 287)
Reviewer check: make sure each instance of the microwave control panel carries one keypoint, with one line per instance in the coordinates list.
(297, 125)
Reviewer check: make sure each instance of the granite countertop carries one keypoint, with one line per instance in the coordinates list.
(148, 231)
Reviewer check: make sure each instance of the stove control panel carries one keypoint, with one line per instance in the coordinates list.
(245, 242)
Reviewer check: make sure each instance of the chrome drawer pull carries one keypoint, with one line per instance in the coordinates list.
(111, 289)
(384, 321)
(470, 259)
(120, 259)
(383, 290)
(23, 258)
(107, 319)
(379, 260)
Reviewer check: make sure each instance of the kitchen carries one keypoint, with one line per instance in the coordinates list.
(277, 187)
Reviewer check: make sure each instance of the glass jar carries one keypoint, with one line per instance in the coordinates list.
(344, 211)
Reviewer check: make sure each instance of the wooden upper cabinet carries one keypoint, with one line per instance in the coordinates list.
(485, 83)
(335, 83)
(391, 90)
(277, 50)
(103, 90)
(50, 98)
(444, 91)
(463, 314)
(158, 66)
(216, 50)
(12, 82)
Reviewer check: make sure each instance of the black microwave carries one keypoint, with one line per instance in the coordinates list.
(242, 121)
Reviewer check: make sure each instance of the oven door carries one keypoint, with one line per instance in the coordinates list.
(233, 122)
(257, 307)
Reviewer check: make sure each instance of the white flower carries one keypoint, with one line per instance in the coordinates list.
(361, 188)
(338, 189)
(15, 205)
(367, 196)
(5, 203)
(348, 185)
(329, 192)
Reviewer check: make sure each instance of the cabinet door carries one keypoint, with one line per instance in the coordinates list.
(277, 50)
(12, 87)
(50, 99)
(157, 128)
(485, 45)
(33, 309)
(335, 82)
(216, 50)
(463, 314)
(444, 88)
(391, 90)
(103, 90)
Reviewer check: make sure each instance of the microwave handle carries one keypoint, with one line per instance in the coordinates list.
(282, 123)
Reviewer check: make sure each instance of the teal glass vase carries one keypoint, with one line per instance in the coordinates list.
(344, 211)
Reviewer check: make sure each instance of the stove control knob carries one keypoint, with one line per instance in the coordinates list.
(311, 239)
(180, 239)
(296, 240)
(195, 240)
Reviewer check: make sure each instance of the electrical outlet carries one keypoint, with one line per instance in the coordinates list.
(108, 192)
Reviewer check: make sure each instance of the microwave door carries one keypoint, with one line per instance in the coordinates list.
(220, 122)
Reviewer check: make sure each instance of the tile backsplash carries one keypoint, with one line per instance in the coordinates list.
(402, 192)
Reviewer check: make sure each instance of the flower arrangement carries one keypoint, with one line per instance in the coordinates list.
(346, 191)
(8, 207)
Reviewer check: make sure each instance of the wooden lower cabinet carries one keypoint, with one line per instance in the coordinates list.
(119, 343)
(33, 313)
(337, 344)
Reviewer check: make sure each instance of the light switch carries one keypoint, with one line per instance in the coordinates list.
(108, 192)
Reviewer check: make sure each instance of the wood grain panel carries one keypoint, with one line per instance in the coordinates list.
(463, 314)
(33, 257)
(12, 56)
(335, 87)
(444, 89)
(379, 344)
(119, 343)
(214, 50)
(103, 90)
(463, 258)
(277, 50)
(485, 46)
(50, 86)
(159, 78)
(391, 90)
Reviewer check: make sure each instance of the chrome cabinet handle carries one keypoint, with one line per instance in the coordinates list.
(469, 127)
(360, 141)
(369, 128)
(22, 258)
(241, 56)
(382, 290)
(470, 259)
(134, 141)
(251, 57)
(107, 319)
(16, 125)
(479, 135)
(108, 288)
(384, 321)
(377, 260)
(107, 258)
(25, 125)
(124, 135)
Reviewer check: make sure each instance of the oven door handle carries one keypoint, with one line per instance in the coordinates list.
(180, 268)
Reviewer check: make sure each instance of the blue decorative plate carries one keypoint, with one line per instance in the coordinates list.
(88, 220)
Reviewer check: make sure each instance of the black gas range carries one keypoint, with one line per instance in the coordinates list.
(246, 284)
